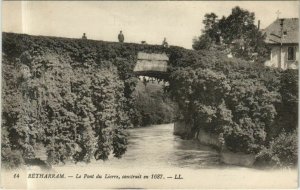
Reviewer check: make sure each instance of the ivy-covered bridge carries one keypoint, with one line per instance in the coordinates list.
(75, 97)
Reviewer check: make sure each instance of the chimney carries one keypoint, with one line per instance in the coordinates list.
(281, 22)
(281, 34)
(258, 25)
(281, 26)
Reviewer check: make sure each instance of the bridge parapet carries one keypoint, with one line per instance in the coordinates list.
(149, 63)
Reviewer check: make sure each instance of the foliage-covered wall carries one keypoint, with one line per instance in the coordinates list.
(71, 96)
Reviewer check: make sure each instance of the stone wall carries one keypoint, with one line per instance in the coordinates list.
(240, 159)
(181, 129)
(209, 139)
(237, 158)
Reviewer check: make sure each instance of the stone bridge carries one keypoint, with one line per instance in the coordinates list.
(151, 64)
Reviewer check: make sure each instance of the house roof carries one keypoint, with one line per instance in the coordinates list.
(290, 31)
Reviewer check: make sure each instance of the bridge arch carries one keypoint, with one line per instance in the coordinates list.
(152, 65)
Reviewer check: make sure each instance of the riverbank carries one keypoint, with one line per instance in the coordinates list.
(227, 157)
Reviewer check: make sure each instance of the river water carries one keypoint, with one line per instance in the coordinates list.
(156, 147)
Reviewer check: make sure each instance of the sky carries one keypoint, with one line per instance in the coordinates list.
(150, 21)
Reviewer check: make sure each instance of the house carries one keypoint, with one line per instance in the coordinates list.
(282, 36)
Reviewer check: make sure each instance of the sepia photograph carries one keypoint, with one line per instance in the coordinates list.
(149, 94)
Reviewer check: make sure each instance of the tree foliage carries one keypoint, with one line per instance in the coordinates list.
(242, 103)
(237, 31)
(153, 105)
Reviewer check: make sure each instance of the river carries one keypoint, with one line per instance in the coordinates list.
(156, 147)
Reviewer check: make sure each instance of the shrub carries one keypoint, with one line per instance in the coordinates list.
(245, 136)
(11, 159)
(288, 107)
(282, 151)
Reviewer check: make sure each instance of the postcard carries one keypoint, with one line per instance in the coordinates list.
(149, 94)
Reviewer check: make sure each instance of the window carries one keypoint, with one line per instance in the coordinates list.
(291, 53)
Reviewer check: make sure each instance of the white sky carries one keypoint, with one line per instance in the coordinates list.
(151, 21)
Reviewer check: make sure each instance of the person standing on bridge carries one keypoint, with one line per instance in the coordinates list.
(165, 43)
(121, 37)
(84, 36)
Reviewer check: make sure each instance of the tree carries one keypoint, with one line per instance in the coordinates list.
(203, 42)
(210, 32)
(238, 31)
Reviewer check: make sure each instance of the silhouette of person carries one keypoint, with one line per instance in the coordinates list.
(84, 36)
(165, 43)
(121, 37)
